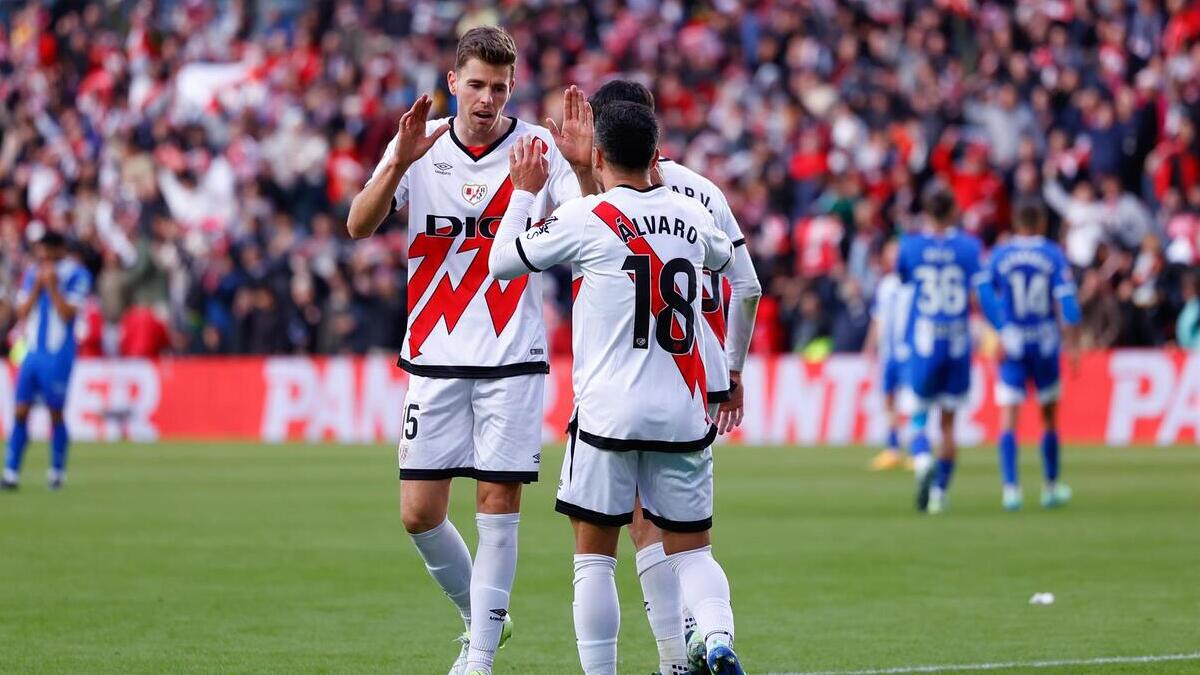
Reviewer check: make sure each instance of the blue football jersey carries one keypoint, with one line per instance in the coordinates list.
(942, 270)
(1032, 281)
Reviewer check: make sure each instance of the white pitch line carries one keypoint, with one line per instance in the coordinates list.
(949, 668)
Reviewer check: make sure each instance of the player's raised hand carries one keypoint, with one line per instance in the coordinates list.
(411, 141)
(527, 165)
(574, 138)
(729, 413)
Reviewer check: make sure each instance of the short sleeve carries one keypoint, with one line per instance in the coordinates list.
(973, 263)
(557, 239)
(725, 220)
(77, 287)
(718, 249)
(903, 265)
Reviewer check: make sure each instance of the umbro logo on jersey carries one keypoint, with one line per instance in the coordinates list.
(443, 169)
(474, 193)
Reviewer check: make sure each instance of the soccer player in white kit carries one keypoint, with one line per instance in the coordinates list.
(727, 340)
(641, 426)
(476, 346)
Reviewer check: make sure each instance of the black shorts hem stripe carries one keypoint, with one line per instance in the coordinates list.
(437, 474)
(720, 396)
(505, 476)
(678, 525)
(739, 242)
(593, 517)
(470, 472)
(525, 258)
(648, 445)
(476, 372)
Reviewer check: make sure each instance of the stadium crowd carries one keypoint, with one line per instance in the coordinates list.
(201, 156)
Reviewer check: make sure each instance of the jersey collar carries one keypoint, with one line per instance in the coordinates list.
(650, 188)
(495, 144)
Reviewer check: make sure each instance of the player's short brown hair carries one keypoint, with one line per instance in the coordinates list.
(490, 44)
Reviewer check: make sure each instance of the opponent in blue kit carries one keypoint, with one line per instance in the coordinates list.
(1034, 288)
(889, 316)
(51, 295)
(941, 266)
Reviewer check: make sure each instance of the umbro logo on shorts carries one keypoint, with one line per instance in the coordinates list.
(537, 458)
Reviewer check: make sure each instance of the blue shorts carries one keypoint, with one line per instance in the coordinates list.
(940, 379)
(1017, 373)
(45, 376)
(892, 376)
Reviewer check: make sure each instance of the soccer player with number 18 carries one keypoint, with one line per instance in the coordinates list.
(640, 428)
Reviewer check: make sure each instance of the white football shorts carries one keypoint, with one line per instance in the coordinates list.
(486, 429)
(600, 486)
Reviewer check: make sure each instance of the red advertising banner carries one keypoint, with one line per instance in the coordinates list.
(1116, 398)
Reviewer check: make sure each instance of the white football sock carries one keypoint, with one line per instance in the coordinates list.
(449, 563)
(664, 606)
(706, 592)
(491, 585)
(597, 613)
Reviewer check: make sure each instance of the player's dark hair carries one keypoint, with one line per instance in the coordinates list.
(490, 44)
(627, 135)
(1029, 216)
(52, 239)
(939, 203)
(614, 91)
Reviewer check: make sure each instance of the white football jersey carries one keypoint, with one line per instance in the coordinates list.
(691, 184)
(892, 300)
(461, 321)
(637, 330)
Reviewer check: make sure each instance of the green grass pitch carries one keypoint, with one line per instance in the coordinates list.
(229, 558)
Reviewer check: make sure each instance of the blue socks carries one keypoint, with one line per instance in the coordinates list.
(58, 447)
(945, 469)
(1008, 457)
(1050, 456)
(893, 439)
(16, 446)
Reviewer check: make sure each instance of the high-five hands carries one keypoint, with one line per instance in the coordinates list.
(574, 138)
(527, 164)
(411, 141)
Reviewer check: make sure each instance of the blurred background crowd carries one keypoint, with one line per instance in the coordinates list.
(201, 156)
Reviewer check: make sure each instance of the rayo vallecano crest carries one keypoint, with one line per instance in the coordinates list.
(474, 193)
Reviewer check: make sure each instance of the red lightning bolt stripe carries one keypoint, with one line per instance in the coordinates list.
(691, 365)
(450, 302)
(716, 318)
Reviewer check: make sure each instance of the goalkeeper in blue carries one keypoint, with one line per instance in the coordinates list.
(941, 266)
(1033, 285)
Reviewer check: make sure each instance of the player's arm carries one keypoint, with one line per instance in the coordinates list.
(31, 284)
(518, 251)
(980, 276)
(574, 141)
(989, 301)
(374, 202)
